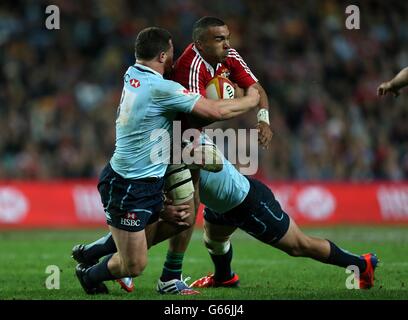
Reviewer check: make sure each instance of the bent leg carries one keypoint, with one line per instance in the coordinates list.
(130, 260)
(131, 256)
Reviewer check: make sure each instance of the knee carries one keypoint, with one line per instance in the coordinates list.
(135, 268)
(218, 246)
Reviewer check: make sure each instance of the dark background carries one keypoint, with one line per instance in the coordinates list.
(59, 89)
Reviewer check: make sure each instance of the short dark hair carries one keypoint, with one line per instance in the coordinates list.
(203, 24)
(150, 42)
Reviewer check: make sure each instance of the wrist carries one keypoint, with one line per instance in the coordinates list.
(263, 115)
(392, 85)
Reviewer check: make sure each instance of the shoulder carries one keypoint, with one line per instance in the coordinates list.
(189, 70)
(187, 56)
(166, 87)
(234, 56)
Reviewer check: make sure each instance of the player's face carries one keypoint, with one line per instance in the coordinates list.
(215, 44)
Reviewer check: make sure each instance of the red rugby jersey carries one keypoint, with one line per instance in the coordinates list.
(194, 73)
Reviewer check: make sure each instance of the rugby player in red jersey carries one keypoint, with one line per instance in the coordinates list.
(209, 55)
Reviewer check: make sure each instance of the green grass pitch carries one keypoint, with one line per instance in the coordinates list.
(265, 272)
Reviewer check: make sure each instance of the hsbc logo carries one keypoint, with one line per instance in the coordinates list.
(134, 83)
(130, 220)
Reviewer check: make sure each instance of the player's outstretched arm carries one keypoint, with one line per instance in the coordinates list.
(226, 109)
(394, 85)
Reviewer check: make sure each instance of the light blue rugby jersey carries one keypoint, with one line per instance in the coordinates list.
(224, 190)
(148, 102)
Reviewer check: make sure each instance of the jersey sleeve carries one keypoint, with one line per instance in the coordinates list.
(172, 96)
(240, 72)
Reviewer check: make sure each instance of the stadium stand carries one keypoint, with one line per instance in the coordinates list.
(60, 88)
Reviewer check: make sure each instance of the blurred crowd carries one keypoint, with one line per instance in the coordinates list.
(60, 88)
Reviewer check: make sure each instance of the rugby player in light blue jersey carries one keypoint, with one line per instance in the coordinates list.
(131, 184)
(234, 201)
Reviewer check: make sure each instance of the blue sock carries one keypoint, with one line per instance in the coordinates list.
(99, 272)
(100, 248)
(222, 264)
(343, 258)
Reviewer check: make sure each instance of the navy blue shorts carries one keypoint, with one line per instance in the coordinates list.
(130, 204)
(259, 215)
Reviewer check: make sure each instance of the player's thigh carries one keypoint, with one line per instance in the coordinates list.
(178, 184)
(130, 205)
(179, 187)
(266, 221)
(131, 246)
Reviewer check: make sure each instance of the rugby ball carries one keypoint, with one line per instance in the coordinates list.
(220, 87)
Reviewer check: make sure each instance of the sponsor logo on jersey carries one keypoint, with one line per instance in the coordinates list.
(134, 83)
(225, 73)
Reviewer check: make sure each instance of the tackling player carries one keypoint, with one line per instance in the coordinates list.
(235, 201)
